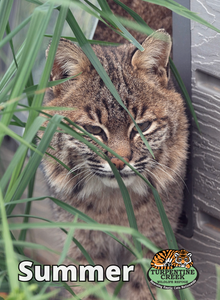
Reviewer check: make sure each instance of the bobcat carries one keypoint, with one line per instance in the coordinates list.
(143, 82)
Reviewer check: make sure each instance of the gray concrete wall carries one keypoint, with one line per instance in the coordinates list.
(205, 148)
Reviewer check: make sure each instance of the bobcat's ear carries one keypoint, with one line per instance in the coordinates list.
(69, 60)
(154, 59)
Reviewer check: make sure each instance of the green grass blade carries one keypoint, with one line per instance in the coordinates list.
(171, 240)
(8, 75)
(32, 89)
(37, 246)
(105, 8)
(41, 15)
(85, 226)
(5, 9)
(87, 49)
(19, 166)
(182, 11)
(38, 25)
(28, 172)
(166, 295)
(135, 16)
(95, 42)
(185, 294)
(184, 91)
(127, 201)
(136, 26)
(84, 217)
(18, 121)
(8, 30)
(72, 210)
(35, 2)
(17, 249)
(167, 227)
(84, 252)
(38, 99)
(14, 32)
(142, 27)
(25, 143)
(67, 244)
(91, 12)
(11, 133)
(23, 233)
(9, 252)
(30, 83)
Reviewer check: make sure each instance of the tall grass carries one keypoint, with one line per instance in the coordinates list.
(18, 84)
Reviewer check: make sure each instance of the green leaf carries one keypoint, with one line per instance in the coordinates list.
(84, 218)
(185, 294)
(5, 9)
(165, 295)
(135, 16)
(85, 226)
(33, 163)
(38, 99)
(38, 25)
(32, 89)
(96, 42)
(8, 30)
(105, 8)
(14, 32)
(184, 91)
(182, 11)
(10, 257)
(87, 49)
(15, 136)
(6, 85)
(67, 243)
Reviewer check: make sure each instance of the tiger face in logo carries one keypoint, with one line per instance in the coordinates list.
(169, 259)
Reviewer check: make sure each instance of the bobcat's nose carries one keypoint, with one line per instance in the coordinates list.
(118, 163)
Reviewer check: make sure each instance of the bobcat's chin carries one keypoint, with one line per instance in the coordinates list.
(112, 182)
(132, 182)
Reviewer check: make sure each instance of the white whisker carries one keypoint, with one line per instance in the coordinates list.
(168, 174)
(83, 178)
(158, 179)
(162, 165)
(77, 167)
(74, 177)
(87, 180)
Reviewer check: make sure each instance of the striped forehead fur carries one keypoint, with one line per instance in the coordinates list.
(144, 86)
(147, 99)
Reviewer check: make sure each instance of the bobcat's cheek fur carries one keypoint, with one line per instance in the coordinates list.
(142, 81)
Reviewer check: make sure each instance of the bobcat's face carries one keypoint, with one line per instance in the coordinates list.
(141, 80)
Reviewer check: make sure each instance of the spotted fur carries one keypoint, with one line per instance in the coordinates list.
(169, 259)
(143, 83)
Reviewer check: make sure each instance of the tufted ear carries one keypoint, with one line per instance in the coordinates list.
(155, 57)
(69, 60)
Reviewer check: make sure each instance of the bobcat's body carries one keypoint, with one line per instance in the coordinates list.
(143, 84)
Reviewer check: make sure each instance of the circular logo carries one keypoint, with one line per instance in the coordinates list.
(172, 269)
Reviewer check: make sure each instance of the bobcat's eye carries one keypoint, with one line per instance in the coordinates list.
(143, 126)
(93, 129)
